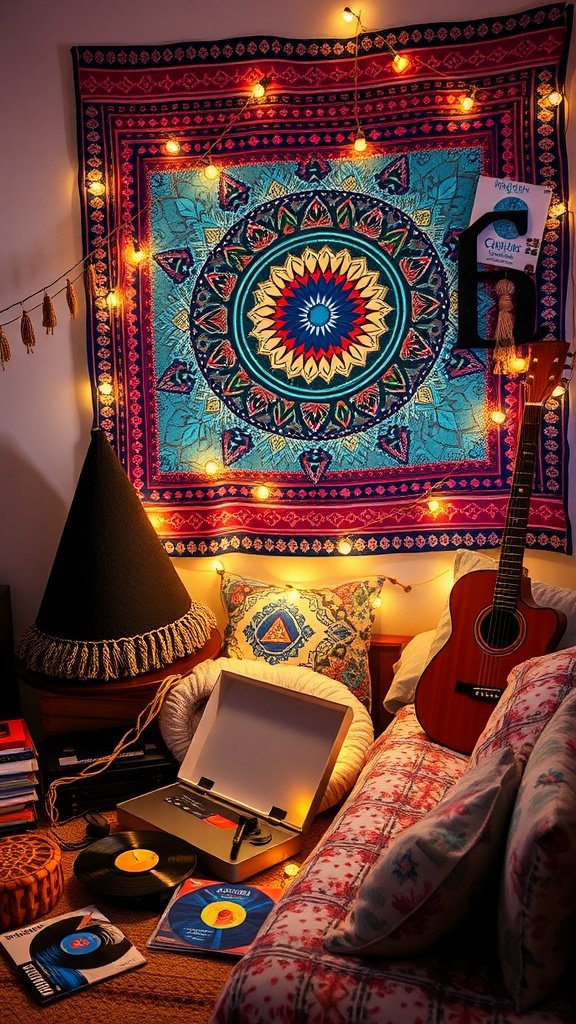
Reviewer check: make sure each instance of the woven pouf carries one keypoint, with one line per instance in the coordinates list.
(31, 878)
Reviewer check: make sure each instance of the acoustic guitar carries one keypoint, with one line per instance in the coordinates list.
(495, 622)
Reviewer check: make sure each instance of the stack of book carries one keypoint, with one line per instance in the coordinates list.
(18, 780)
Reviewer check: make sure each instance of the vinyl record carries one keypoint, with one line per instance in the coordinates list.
(220, 917)
(79, 943)
(135, 865)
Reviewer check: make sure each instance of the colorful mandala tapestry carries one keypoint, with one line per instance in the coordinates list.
(285, 368)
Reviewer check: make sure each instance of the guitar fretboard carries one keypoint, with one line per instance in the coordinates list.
(510, 567)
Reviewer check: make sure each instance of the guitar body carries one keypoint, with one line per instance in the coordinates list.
(462, 683)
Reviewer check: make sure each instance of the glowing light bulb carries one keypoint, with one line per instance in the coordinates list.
(261, 492)
(344, 546)
(219, 566)
(377, 602)
(105, 390)
(348, 15)
(97, 188)
(360, 141)
(498, 416)
(172, 146)
(468, 100)
(211, 172)
(554, 98)
(259, 90)
(558, 209)
(211, 467)
(113, 298)
(434, 505)
(291, 870)
(519, 364)
(400, 63)
(135, 254)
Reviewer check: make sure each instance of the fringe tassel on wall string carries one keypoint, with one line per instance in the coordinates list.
(49, 319)
(5, 350)
(27, 331)
(71, 299)
(505, 355)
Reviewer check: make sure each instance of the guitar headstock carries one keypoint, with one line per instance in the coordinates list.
(546, 361)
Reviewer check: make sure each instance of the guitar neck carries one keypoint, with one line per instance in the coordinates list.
(510, 567)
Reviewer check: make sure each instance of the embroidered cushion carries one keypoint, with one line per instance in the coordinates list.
(537, 911)
(326, 630)
(431, 875)
(535, 689)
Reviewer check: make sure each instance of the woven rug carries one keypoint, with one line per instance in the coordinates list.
(294, 325)
(167, 989)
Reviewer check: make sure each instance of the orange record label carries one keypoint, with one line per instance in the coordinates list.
(134, 861)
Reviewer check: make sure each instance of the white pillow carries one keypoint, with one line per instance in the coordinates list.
(407, 671)
(419, 651)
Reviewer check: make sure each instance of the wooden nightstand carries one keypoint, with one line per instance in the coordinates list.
(52, 707)
(385, 649)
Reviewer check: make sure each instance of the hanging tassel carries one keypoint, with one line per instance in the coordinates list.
(505, 355)
(5, 351)
(49, 320)
(27, 331)
(91, 281)
(71, 299)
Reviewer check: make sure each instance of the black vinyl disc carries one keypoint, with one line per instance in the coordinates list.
(220, 917)
(79, 943)
(134, 865)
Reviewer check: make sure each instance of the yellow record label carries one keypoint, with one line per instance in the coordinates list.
(134, 861)
(223, 914)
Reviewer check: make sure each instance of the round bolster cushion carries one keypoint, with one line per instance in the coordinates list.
(184, 705)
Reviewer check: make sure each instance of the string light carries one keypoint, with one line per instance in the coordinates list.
(344, 546)
(134, 253)
(377, 602)
(261, 492)
(211, 171)
(113, 299)
(211, 467)
(97, 188)
(360, 141)
(468, 100)
(558, 209)
(400, 62)
(434, 505)
(498, 416)
(172, 146)
(259, 90)
(348, 15)
(554, 98)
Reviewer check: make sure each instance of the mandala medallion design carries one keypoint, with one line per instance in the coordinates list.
(319, 314)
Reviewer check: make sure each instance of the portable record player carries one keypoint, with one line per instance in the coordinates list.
(252, 778)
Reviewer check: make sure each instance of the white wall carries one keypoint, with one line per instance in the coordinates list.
(45, 405)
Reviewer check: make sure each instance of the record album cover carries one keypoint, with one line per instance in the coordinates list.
(217, 917)
(63, 955)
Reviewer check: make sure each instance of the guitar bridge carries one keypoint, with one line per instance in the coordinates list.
(484, 693)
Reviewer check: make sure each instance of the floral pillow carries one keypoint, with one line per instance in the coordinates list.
(431, 875)
(537, 912)
(536, 688)
(325, 630)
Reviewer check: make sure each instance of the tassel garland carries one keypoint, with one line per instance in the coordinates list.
(5, 351)
(27, 331)
(505, 354)
(91, 281)
(49, 319)
(71, 299)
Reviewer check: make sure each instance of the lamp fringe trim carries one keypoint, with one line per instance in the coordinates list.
(119, 658)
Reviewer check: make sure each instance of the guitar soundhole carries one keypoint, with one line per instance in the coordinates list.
(500, 630)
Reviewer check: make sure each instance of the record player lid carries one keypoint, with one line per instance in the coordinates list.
(266, 748)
